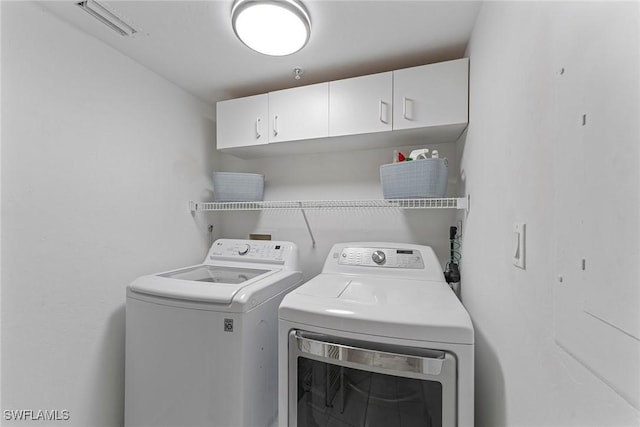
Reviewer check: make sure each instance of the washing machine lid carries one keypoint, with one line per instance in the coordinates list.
(209, 283)
(215, 274)
(389, 307)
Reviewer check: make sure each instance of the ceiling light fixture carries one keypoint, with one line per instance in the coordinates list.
(271, 27)
(108, 18)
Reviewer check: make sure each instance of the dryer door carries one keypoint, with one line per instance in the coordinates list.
(335, 381)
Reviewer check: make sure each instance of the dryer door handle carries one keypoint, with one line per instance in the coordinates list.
(362, 355)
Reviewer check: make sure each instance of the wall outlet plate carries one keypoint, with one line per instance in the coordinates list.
(519, 244)
(259, 236)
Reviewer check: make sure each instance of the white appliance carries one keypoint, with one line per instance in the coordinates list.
(378, 338)
(201, 341)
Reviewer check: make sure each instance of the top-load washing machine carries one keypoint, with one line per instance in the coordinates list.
(201, 341)
(377, 339)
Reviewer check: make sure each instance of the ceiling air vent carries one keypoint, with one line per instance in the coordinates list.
(108, 18)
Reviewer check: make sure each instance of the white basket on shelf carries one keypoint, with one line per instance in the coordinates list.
(237, 187)
(426, 178)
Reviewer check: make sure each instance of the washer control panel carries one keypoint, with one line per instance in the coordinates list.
(247, 250)
(381, 257)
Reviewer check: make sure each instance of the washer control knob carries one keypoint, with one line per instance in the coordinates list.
(378, 257)
(244, 249)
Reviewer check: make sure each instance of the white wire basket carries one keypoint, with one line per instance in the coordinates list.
(424, 178)
(237, 187)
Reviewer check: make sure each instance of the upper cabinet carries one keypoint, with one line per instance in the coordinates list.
(299, 113)
(243, 122)
(431, 95)
(427, 104)
(361, 105)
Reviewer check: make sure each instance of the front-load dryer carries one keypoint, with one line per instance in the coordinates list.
(377, 339)
(201, 341)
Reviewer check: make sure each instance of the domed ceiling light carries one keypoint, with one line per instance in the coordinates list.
(271, 27)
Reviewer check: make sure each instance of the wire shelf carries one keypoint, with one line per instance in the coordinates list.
(439, 203)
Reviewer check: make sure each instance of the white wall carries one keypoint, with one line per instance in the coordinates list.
(99, 159)
(551, 353)
(0, 208)
(337, 176)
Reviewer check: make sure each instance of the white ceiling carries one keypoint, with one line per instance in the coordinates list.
(192, 44)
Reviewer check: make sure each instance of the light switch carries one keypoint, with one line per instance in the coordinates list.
(519, 244)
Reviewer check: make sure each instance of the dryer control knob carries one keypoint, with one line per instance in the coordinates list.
(244, 249)
(378, 257)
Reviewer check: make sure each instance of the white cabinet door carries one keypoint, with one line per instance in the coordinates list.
(242, 122)
(299, 113)
(361, 104)
(431, 95)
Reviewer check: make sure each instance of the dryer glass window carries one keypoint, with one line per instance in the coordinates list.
(213, 274)
(332, 395)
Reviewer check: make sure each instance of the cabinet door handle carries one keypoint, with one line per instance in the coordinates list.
(258, 134)
(405, 101)
(275, 125)
(382, 115)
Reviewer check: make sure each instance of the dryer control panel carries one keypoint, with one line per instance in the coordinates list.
(381, 257)
(384, 259)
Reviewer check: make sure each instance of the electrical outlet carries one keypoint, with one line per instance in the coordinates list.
(259, 236)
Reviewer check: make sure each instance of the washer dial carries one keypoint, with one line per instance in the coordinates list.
(378, 257)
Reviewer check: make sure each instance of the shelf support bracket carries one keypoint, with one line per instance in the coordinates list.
(306, 221)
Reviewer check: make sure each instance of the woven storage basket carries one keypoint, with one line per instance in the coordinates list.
(237, 187)
(415, 179)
